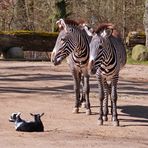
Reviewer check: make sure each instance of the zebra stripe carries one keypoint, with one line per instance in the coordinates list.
(73, 43)
(107, 57)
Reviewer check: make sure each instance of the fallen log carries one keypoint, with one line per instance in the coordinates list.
(28, 40)
(135, 38)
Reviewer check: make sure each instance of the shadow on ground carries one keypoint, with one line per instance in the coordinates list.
(138, 114)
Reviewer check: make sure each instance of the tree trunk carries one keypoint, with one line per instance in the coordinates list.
(3, 23)
(20, 19)
(31, 25)
(124, 19)
(145, 21)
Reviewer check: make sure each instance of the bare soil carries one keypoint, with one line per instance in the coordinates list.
(41, 87)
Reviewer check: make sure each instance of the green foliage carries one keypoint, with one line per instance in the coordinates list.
(61, 11)
(61, 6)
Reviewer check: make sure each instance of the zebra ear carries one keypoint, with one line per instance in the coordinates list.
(106, 33)
(41, 114)
(31, 114)
(61, 24)
(88, 30)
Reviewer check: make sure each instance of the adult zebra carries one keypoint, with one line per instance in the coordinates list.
(73, 42)
(107, 57)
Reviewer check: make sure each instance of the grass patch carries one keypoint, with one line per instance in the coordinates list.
(131, 61)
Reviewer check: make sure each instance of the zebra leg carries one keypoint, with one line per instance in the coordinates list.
(105, 101)
(114, 101)
(101, 97)
(83, 100)
(87, 90)
(76, 78)
(109, 92)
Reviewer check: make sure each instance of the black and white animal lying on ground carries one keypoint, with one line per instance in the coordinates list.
(27, 126)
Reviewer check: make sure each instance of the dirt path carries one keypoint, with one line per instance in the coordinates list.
(41, 87)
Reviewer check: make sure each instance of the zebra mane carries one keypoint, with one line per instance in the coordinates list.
(104, 26)
(71, 22)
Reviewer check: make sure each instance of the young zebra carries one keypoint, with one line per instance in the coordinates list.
(73, 42)
(107, 57)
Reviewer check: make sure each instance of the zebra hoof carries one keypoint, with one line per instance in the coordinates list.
(100, 122)
(105, 118)
(83, 105)
(116, 123)
(75, 110)
(88, 112)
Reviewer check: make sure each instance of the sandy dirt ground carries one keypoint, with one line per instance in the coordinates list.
(40, 87)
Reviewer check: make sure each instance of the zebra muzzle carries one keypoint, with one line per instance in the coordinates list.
(57, 61)
(54, 59)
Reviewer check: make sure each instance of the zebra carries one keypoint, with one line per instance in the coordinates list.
(73, 43)
(107, 57)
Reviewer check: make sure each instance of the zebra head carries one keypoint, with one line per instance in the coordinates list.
(97, 44)
(65, 42)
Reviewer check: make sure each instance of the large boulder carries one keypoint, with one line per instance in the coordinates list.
(140, 53)
(15, 52)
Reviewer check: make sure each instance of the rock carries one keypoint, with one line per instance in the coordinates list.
(15, 52)
(140, 53)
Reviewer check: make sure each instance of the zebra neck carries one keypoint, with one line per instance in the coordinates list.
(82, 58)
(80, 55)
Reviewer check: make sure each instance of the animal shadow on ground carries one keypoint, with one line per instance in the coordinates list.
(138, 114)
